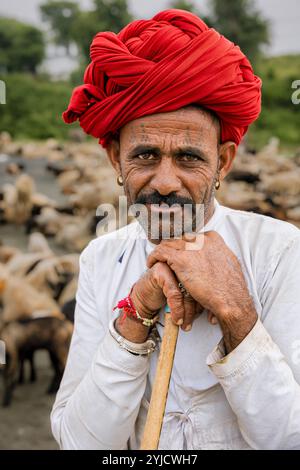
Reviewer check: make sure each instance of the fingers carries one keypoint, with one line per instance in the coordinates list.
(159, 254)
(166, 251)
(199, 310)
(212, 319)
(189, 312)
(166, 279)
(183, 308)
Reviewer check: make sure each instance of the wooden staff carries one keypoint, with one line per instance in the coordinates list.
(160, 389)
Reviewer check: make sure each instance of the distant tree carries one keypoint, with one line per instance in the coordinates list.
(114, 13)
(22, 46)
(183, 5)
(61, 16)
(107, 15)
(190, 6)
(240, 22)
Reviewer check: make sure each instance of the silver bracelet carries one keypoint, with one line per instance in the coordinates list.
(139, 349)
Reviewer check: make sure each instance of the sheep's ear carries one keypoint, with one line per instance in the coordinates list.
(2, 285)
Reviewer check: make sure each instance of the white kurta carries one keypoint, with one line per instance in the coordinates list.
(247, 399)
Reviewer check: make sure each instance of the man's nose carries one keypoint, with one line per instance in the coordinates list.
(166, 180)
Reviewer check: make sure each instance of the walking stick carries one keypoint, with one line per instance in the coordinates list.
(160, 389)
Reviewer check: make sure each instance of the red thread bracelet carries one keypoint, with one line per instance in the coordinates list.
(130, 311)
(127, 306)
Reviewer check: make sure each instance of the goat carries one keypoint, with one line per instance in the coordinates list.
(23, 338)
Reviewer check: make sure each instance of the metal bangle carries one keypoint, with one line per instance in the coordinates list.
(138, 349)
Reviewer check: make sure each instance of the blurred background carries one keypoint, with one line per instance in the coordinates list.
(53, 177)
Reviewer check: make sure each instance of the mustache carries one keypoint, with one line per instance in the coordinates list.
(157, 198)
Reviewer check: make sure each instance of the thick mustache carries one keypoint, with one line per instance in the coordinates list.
(156, 198)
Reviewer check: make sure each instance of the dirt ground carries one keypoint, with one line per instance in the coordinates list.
(25, 425)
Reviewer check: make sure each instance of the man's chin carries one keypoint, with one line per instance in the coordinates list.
(159, 232)
(160, 223)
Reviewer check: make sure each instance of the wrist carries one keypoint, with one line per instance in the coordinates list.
(140, 306)
(236, 324)
(137, 349)
(132, 330)
(232, 311)
(134, 321)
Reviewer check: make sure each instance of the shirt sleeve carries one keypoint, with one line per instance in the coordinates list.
(261, 376)
(100, 394)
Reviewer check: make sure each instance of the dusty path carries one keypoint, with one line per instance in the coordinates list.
(25, 424)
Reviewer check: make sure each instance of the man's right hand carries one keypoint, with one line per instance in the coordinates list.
(159, 286)
(156, 287)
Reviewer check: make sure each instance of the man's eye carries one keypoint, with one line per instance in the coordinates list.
(189, 158)
(146, 156)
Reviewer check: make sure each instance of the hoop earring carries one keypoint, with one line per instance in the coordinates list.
(217, 185)
(120, 180)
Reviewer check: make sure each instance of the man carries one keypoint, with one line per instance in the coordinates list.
(170, 99)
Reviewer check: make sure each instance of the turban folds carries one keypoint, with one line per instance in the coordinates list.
(161, 65)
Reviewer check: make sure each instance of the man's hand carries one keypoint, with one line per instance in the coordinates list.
(156, 287)
(159, 286)
(212, 274)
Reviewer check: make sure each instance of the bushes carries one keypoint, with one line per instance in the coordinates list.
(279, 117)
(34, 106)
(22, 46)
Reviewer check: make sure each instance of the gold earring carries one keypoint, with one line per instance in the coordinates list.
(217, 185)
(120, 180)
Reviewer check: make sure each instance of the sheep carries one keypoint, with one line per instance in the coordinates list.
(68, 309)
(25, 188)
(50, 221)
(22, 301)
(22, 263)
(22, 339)
(14, 168)
(37, 243)
(67, 180)
(68, 292)
(8, 252)
(9, 201)
(17, 199)
(285, 182)
(67, 299)
(52, 275)
(75, 235)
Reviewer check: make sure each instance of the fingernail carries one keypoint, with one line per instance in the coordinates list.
(179, 322)
(189, 236)
(188, 328)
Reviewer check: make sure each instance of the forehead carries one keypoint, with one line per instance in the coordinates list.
(189, 125)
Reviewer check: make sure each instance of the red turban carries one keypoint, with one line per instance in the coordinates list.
(160, 65)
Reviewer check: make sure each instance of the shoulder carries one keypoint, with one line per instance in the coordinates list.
(260, 225)
(109, 245)
(263, 234)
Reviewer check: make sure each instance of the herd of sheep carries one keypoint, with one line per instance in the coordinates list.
(38, 285)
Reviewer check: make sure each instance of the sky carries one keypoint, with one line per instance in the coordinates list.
(284, 17)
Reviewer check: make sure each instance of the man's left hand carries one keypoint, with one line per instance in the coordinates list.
(212, 275)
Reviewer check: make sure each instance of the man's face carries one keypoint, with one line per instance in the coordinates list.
(170, 158)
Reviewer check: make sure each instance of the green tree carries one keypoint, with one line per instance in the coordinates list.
(61, 16)
(184, 5)
(114, 13)
(189, 6)
(22, 46)
(240, 22)
(107, 15)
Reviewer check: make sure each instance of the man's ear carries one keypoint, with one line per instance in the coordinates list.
(227, 153)
(113, 152)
